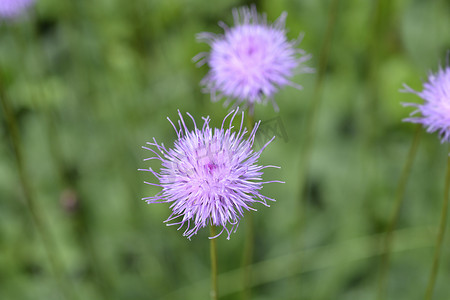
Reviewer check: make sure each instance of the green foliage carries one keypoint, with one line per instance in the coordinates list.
(89, 82)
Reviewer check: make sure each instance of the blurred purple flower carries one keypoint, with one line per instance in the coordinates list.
(10, 9)
(435, 112)
(252, 60)
(209, 176)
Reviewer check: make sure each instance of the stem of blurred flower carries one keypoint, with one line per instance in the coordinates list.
(399, 196)
(71, 199)
(75, 206)
(50, 248)
(440, 237)
(213, 252)
(314, 108)
(247, 258)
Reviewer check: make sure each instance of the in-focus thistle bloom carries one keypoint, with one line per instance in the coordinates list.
(252, 60)
(210, 176)
(10, 9)
(435, 111)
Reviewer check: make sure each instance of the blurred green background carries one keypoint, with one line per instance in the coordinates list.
(87, 83)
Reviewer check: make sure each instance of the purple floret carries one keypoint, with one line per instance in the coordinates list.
(210, 176)
(252, 60)
(10, 9)
(435, 111)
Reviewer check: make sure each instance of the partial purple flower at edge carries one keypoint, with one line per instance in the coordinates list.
(435, 111)
(10, 9)
(210, 176)
(252, 60)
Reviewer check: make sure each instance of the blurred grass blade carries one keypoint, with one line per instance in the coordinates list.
(399, 196)
(315, 106)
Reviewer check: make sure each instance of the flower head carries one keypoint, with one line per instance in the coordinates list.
(210, 176)
(252, 60)
(435, 111)
(10, 9)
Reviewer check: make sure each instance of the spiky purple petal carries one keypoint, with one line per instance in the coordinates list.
(435, 111)
(252, 60)
(210, 176)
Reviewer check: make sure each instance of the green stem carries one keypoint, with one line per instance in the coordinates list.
(399, 196)
(213, 252)
(440, 237)
(49, 244)
(247, 258)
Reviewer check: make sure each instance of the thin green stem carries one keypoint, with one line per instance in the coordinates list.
(354, 251)
(440, 237)
(37, 217)
(247, 258)
(213, 252)
(399, 196)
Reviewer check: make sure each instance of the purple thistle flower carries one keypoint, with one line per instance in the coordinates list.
(10, 9)
(435, 112)
(252, 60)
(209, 176)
